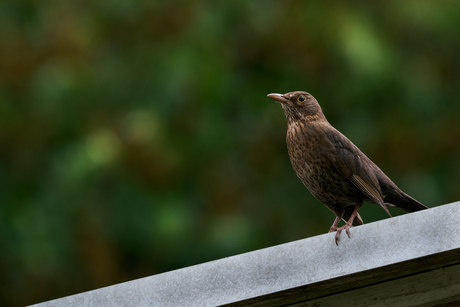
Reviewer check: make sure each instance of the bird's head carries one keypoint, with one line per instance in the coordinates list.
(299, 106)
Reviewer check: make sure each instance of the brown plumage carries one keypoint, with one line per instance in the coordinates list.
(332, 168)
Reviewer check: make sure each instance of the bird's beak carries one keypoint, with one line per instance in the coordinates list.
(278, 97)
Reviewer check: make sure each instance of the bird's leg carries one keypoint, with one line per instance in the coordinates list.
(338, 217)
(347, 225)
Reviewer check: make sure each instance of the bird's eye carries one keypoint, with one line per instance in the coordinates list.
(301, 98)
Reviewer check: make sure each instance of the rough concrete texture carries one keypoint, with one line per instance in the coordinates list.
(287, 266)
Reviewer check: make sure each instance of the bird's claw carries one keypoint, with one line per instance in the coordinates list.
(339, 230)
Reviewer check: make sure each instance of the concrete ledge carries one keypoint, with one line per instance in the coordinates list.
(409, 260)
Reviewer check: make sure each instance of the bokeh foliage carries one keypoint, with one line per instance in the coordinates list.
(136, 138)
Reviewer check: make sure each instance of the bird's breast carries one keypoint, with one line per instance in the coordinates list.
(308, 152)
(301, 150)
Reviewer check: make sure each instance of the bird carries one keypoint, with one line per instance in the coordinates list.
(332, 168)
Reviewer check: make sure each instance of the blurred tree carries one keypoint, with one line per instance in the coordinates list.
(136, 138)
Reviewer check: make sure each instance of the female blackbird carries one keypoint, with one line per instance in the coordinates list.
(332, 168)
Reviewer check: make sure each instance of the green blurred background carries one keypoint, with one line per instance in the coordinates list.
(136, 136)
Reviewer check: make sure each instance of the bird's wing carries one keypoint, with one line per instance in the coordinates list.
(354, 166)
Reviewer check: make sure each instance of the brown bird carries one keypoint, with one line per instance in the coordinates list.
(332, 168)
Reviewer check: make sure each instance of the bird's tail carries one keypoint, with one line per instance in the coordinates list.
(407, 203)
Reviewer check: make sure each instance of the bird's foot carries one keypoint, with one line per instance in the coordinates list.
(333, 228)
(339, 230)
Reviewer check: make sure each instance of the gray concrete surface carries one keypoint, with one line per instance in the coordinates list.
(303, 271)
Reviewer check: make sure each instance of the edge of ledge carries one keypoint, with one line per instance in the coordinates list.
(311, 261)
